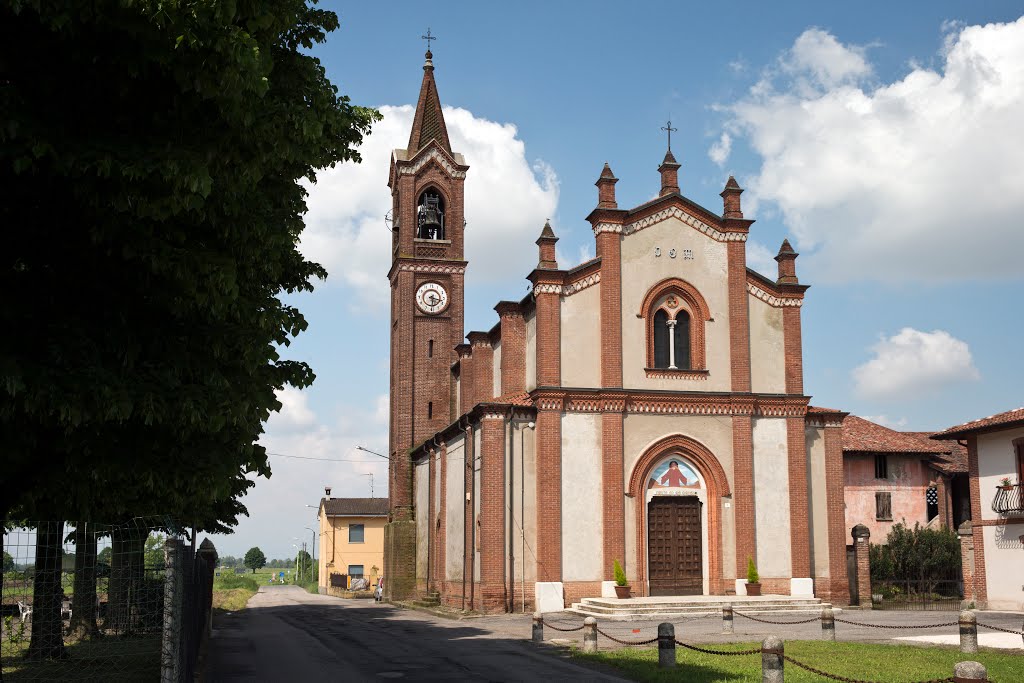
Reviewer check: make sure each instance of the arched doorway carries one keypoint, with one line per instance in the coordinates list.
(676, 552)
(677, 486)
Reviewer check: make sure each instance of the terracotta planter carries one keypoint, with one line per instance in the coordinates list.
(622, 592)
(753, 589)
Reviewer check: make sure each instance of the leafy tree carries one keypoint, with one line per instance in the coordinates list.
(104, 556)
(921, 554)
(255, 559)
(303, 567)
(154, 551)
(8, 562)
(157, 215)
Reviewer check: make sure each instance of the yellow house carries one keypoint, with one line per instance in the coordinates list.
(351, 540)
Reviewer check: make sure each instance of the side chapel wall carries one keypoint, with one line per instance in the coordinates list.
(582, 535)
(581, 338)
(771, 498)
(767, 348)
(455, 507)
(815, 439)
(530, 319)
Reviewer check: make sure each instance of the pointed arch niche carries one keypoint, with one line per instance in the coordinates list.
(674, 315)
(712, 479)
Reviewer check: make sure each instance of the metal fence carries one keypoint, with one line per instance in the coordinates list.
(932, 594)
(87, 601)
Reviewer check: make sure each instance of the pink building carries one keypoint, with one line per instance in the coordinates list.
(892, 477)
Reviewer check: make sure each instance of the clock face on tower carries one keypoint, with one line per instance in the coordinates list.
(431, 298)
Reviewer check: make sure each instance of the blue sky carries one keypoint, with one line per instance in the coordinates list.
(882, 139)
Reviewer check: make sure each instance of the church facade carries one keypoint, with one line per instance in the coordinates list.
(646, 406)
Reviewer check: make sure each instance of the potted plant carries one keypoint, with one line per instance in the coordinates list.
(1005, 484)
(621, 582)
(753, 578)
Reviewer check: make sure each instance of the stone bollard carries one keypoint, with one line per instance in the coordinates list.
(538, 627)
(828, 624)
(968, 631)
(666, 646)
(771, 660)
(727, 626)
(590, 634)
(969, 672)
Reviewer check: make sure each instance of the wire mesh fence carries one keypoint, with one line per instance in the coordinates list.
(86, 601)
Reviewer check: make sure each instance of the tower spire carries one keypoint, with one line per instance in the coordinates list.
(428, 123)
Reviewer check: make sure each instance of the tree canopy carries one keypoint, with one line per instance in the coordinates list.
(150, 154)
(255, 559)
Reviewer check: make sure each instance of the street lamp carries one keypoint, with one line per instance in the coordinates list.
(312, 545)
(367, 450)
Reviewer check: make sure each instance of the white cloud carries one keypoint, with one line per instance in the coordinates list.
(720, 149)
(507, 202)
(913, 362)
(886, 421)
(914, 180)
(294, 413)
(278, 510)
(762, 259)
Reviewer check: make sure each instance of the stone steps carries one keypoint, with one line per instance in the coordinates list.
(649, 608)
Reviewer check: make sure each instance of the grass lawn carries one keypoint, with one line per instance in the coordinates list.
(111, 659)
(232, 591)
(889, 663)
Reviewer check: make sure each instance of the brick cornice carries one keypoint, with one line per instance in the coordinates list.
(431, 152)
(413, 265)
(669, 403)
(646, 220)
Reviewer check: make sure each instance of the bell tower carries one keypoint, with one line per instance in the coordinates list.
(427, 280)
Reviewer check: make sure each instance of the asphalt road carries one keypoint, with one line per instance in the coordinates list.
(287, 634)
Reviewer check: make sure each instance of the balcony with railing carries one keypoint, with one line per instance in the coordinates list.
(1008, 500)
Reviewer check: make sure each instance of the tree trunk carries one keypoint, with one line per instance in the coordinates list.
(47, 637)
(127, 555)
(83, 603)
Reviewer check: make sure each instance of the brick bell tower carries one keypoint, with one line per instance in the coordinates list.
(427, 280)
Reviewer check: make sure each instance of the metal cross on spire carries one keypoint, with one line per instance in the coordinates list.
(668, 127)
(428, 38)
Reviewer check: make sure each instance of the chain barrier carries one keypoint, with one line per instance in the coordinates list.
(627, 642)
(563, 630)
(844, 679)
(1000, 628)
(777, 623)
(898, 626)
(725, 653)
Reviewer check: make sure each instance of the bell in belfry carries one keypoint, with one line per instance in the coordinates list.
(430, 218)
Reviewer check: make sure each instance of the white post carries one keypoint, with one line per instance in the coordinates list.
(671, 344)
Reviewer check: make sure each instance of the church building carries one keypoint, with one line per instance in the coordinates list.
(646, 406)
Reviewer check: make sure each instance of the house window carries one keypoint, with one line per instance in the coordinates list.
(883, 506)
(881, 466)
(675, 314)
(355, 533)
(1019, 445)
(355, 571)
(931, 497)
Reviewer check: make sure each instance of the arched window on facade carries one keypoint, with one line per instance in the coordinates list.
(672, 340)
(675, 314)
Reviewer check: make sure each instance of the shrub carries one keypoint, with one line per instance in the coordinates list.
(918, 554)
(752, 575)
(620, 576)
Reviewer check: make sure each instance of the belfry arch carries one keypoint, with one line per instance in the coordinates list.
(715, 484)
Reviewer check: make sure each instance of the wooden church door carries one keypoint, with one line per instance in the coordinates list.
(674, 545)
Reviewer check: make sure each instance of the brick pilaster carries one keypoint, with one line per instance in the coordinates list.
(861, 549)
(513, 348)
(793, 349)
(549, 493)
(492, 513)
(839, 584)
(980, 578)
(966, 533)
(739, 318)
(483, 367)
(549, 336)
(799, 500)
(612, 491)
(743, 491)
(609, 249)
